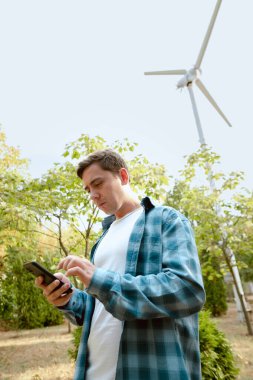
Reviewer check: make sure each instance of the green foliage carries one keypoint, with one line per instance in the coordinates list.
(220, 218)
(216, 296)
(13, 170)
(241, 232)
(22, 305)
(217, 359)
(77, 332)
(198, 206)
(216, 291)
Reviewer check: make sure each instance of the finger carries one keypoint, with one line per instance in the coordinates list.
(77, 262)
(60, 276)
(60, 265)
(77, 271)
(59, 293)
(51, 287)
(39, 281)
(69, 263)
(61, 301)
(63, 261)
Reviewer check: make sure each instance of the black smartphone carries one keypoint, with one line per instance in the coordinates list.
(38, 270)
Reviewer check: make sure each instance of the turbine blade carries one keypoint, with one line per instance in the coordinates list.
(211, 100)
(166, 72)
(208, 34)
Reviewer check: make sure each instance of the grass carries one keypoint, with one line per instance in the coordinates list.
(41, 354)
(242, 344)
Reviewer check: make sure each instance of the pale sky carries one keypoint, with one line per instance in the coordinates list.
(72, 67)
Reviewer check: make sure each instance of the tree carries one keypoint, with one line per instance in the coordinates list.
(241, 231)
(13, 171)
(200, 205)
(21, 304)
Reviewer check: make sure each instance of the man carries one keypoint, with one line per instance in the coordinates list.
(143, 285)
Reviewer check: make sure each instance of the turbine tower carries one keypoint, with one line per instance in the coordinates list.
(188, 79)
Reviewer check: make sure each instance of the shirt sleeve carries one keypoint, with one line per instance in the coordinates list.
(176, 292)
(75, 308)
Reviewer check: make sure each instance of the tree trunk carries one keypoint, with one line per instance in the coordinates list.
(227, 254)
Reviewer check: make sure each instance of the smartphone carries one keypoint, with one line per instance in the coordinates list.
(38, 270)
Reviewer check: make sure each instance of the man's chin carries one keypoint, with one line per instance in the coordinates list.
(107, 211)
(103, 208)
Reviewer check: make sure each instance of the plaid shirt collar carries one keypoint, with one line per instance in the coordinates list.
(146, 204)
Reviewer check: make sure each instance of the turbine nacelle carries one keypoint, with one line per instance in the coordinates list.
(189, 77)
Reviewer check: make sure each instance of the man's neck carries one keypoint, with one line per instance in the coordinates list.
(127, 207)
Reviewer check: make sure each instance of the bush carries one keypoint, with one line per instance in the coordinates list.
(76, 341)
(22, 305)
(216, 295)
(217, 359)
(216, 292)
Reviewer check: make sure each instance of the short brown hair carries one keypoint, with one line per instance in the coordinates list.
(107, 159)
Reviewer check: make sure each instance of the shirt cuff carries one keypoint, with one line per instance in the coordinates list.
(101, 282)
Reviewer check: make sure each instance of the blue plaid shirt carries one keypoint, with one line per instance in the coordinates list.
(158, 298)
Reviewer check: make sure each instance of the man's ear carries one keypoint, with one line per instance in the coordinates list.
(124, 176)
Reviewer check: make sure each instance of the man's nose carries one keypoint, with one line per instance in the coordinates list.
(94, 195)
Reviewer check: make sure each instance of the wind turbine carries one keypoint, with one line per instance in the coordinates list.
(192, 76)
(189, 78)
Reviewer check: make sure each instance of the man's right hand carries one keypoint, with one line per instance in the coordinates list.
(55, 297)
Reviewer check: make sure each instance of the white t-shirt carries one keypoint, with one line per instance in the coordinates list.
(105, 332)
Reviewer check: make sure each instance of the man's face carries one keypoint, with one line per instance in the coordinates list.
(105, 188)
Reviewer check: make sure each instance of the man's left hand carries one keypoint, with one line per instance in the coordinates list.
(76, 266)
